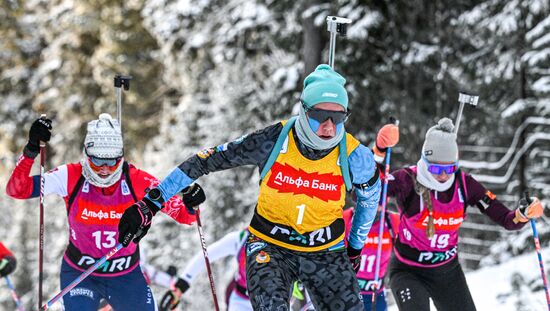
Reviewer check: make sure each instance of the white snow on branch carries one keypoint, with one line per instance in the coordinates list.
(419, 52)
(504, 179)
(499, 164)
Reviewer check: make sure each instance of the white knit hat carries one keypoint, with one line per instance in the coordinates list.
(104, 138)
(440, 143)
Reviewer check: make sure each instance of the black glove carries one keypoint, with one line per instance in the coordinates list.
(193, 196)
(135, 221)
(354, 257)
(41, 130)
(7, 265)
(171, 298)
(172, 270)
(182, 285)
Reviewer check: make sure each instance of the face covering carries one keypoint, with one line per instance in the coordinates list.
(426, 178)
(93, 178)
(309, 138)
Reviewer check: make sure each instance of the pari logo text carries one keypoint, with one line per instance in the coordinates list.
(287, 179)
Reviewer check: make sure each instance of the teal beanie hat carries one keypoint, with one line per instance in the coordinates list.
(324, 85)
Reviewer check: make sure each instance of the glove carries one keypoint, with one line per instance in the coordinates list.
(40, 131)
(169, 301)
(388, 136)
(171, 298)
(181, 285)
(135, 221)
(193, 196)
(172, 270)
(7, 265)
(354, 257)
(528, 209)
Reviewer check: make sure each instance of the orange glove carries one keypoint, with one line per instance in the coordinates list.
(526, 212)
(388, 136)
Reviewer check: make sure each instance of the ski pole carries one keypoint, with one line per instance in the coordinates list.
(85, 274)
(381, 228)
(382, 221)
(14, 294)
(539, 255)
(41, 225)
(206, 260)
(463, 99)
(121, 81)
(335, 25)
(81, 277)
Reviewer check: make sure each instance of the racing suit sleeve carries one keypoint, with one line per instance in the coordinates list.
(174, 207)
(251, 149)
(367, 187)
(21, 185)
(489, 205)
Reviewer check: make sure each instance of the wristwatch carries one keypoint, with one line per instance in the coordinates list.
(155, 195)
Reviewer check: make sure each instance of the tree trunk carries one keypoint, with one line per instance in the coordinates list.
(313, 39)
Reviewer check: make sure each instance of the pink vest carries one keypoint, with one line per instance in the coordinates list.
(442, 247)
(367, 268)
(240, 276)
(93, 230)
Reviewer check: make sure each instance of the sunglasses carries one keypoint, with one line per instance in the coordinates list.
(321, 115)
(437, 169)
(98, 162)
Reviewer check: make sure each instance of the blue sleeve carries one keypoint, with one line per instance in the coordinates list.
(367, 188)
(35, 186)
(172, 184)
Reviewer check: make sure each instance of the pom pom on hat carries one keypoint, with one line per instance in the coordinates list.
(104, 138)
(324, 85)
(440, 143)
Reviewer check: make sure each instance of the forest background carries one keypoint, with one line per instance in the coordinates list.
(208, 71)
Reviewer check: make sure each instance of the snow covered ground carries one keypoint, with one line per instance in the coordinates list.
(512, 286)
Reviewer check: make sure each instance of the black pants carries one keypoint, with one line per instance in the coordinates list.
(446, 285)
(327, 275)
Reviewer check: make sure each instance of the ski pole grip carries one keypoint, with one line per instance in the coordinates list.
(393, 120)
(122, 81)
(42, 116)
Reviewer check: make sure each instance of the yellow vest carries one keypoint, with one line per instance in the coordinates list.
(306, 195)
